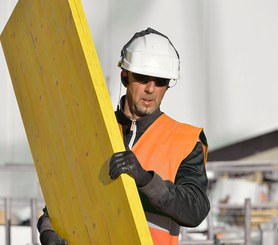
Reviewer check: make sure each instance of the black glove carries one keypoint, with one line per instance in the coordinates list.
(49, 237)
(126, 162)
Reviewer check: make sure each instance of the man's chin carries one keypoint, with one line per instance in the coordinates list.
(144, 112)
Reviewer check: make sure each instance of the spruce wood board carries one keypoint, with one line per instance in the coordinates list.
(70, 124)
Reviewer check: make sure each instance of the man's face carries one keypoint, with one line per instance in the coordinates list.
(143, 94)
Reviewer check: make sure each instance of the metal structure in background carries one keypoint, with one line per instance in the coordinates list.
(36, 205)
(7, 206)
(211, 239)
(247, 223)
(242, 167)
(262, 209)
(34, 219)
(243, 213)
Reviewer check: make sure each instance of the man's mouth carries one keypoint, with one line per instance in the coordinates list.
(147, 101)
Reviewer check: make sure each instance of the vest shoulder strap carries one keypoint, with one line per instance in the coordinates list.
(165, 144)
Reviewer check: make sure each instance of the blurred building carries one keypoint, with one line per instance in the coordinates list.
(228, 85)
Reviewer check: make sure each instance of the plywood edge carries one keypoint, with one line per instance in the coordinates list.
(117, 144)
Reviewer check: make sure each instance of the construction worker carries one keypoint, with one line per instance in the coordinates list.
(166, 158)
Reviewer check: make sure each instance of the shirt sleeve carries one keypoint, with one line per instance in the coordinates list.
(185, 201)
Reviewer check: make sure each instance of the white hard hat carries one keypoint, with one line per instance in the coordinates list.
(151, 53)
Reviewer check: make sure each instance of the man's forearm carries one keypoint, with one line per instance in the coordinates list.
(185, 201)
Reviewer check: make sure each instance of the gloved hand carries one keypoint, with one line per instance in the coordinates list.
(127, 162)
(49, 237)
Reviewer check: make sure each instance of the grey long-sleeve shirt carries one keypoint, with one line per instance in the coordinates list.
(185, 200)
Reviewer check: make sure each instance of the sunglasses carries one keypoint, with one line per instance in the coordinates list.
(159, 82)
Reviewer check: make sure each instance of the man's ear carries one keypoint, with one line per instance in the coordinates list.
(124, 78)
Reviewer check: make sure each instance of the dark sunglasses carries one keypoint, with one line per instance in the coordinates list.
(159, 82)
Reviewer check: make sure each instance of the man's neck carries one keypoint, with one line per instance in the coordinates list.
(126, 109)
(125, 118)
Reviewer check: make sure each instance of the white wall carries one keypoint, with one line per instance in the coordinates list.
(241, 69)
(229, 55)
(14, 146)
(20, 235)
(126, 17)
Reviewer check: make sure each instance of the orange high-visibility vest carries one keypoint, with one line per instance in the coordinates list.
(162, 148)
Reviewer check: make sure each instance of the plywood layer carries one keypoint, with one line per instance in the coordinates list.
(70, 124)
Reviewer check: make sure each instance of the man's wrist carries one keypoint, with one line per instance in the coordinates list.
(147, 178)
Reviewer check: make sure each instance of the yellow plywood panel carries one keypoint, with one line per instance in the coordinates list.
(70, 124)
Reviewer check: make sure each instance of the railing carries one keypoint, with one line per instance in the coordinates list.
(7, 204)
(232, 168)
(36, 205)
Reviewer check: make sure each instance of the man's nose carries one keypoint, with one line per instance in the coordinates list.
(150, 86)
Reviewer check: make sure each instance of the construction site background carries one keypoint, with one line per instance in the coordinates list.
(228, 85)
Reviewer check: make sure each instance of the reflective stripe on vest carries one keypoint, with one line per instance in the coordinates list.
(162, 148)
(162, 223)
